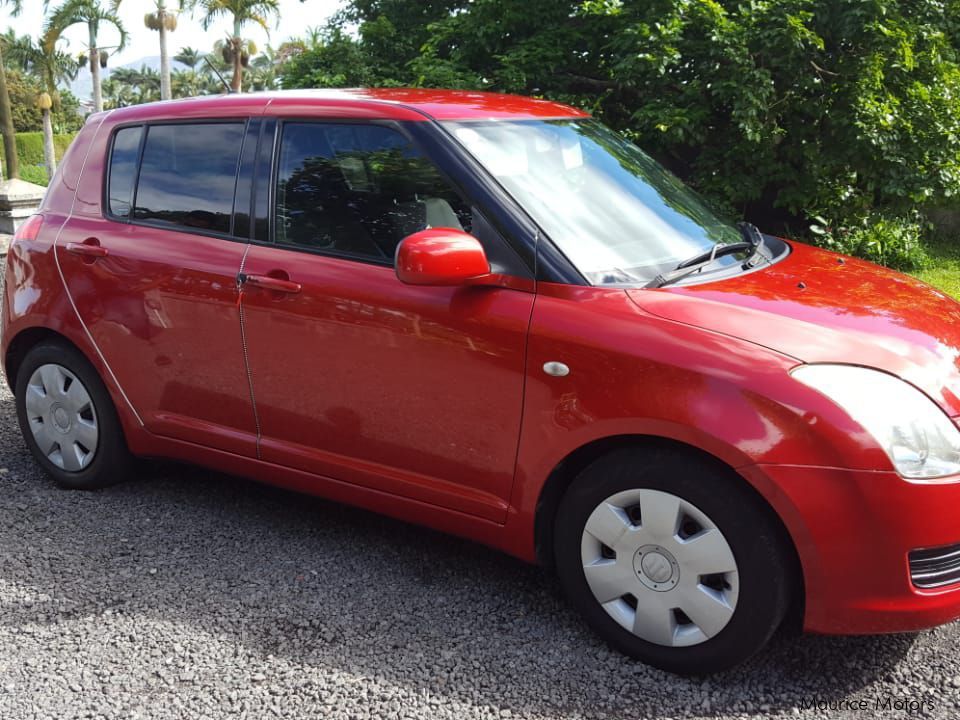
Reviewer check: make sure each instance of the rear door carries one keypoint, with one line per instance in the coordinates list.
(153, 276)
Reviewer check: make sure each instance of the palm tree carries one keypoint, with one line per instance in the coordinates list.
(6, 112)
(145, 82)
(117, 94)
(224, 52)
(114, 94)
(51, 67)
(17, 50)
(263, 70)
(92, 14)
(163, 21)
(189, 56)
(242, 12)
(188, 83)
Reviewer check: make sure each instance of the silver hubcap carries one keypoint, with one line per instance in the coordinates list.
(659, 567)
(62, 418)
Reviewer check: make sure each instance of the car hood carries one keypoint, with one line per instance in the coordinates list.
(818, 306)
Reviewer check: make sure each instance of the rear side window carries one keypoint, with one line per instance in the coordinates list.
(123, 170)
(358, 190)
(188, 174)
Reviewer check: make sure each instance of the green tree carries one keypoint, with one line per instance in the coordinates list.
(263, 70)
(331, 59)
(117, 94)
(163, 21)
(93, 15)
(191, 57)
(143, 84)
(49, 67)
(240, 12)
(779, 110)
(68, 117)
(189, 82)
(6, 111)
(23, 91)
(393, 32)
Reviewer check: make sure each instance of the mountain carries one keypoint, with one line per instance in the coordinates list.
(82, 87)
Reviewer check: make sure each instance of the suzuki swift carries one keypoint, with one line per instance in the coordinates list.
(493, 316)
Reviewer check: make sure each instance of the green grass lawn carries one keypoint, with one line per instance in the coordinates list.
(944, 270)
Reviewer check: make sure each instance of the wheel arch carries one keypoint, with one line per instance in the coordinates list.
(567, 470)
(28, 338)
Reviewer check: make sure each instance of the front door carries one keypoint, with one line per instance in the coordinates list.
(415, 391)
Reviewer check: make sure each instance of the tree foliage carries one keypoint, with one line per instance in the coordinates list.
(237, 51)
(48, 65)
(778, 109)
(30, 152)
(96, 17)
(24, 90)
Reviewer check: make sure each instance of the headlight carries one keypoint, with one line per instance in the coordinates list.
(918, 437)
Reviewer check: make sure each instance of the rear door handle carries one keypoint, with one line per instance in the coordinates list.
(271, 283)
(90, 248)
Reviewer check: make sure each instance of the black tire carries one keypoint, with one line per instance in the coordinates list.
(111, 461)
(764, 568)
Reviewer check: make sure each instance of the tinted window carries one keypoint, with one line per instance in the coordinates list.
(123, 169)
(187, 175)
(359, 190)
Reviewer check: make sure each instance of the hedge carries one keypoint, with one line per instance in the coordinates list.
(30, 148)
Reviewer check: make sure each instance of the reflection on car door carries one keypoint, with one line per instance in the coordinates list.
(154, 280)
(415, 391)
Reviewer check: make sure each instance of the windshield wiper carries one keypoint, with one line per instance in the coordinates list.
(752, 241)
(698, 262)
(752, 235)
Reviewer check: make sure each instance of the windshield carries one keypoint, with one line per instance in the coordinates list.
(618, 215)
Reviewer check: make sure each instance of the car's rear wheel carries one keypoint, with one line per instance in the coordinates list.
(68, 420)
(671, 560)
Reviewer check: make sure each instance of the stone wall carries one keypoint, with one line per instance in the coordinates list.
(18, 201)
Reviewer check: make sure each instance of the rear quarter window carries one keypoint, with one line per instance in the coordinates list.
(123, 170)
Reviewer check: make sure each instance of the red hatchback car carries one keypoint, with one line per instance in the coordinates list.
(493, 316)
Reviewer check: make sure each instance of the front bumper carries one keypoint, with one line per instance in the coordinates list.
(853, 531)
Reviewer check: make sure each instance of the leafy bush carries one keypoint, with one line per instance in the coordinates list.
(27, 117)
(783, 109)
(335, 62)
(30, 149)
(36, 174)
(892, 241)
(30, 146)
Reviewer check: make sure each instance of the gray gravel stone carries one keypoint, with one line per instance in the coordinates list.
(186, 594)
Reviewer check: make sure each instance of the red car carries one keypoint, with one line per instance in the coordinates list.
(493, 316)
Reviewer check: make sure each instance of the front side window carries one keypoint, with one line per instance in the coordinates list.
(188, 174)
(616, 214)
(123, 170)
(358, 190)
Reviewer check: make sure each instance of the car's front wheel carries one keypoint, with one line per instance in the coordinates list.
(671, 560)
(68, 420)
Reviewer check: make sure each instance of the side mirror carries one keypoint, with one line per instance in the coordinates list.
(441, 256)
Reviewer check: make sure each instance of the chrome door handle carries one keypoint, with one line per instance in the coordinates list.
(271, 283)
(89, 250)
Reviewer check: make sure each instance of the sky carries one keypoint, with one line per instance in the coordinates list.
(295, 18)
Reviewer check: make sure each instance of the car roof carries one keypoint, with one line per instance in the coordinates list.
(385, 103)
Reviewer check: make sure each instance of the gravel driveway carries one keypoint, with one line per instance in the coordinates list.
(188, 594)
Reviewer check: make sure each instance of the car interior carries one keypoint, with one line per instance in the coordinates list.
(360, 202)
